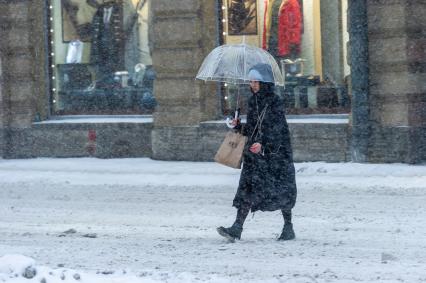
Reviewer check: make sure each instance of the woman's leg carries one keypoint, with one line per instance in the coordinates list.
(242, 213)
(234, 232)
(286, 216)
(287, 232)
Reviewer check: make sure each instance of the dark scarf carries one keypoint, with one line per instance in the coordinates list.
(260, 100)
(265, 90)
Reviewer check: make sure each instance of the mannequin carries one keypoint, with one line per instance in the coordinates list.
(76, 20)
(240, 17)
(282, 33)
(107, 33)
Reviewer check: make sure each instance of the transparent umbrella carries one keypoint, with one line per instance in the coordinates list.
(231, 63)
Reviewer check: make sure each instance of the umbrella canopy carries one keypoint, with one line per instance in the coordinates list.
(232, 63)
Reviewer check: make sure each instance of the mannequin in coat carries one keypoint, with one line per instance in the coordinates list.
(282, 33)
(107, 43)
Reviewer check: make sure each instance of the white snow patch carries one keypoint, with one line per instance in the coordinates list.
(13, 265)
(317, 120)
(98, 119)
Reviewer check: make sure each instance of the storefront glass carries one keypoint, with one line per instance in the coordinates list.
(100, 57)
(308, 39)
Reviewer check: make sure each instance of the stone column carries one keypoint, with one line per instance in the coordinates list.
(183, 33)
(397, 63)
(332, 41)
(22, 53)
(2, 114)
(358, 50)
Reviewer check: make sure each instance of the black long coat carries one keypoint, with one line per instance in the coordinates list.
(267, 180)
(107, 42)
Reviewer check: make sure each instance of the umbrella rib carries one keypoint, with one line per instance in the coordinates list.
(244, 66)
(216, 65)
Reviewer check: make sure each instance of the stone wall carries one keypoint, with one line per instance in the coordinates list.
(310, 141)
(397, 63)
(103, 140)
(320, 142)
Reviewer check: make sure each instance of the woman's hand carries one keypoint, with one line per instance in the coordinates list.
(256, 147)
(235, 122)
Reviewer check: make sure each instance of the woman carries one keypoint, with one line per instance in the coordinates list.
(267, 180)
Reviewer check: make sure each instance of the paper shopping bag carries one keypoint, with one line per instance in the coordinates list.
(230, 153)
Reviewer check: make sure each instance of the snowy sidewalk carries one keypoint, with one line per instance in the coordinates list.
(152, 221)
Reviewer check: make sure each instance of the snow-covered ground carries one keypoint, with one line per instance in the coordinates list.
(138, 220)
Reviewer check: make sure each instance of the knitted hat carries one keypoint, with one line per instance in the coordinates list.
(261, 72)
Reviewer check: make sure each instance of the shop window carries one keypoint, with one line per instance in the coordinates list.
(308, 39)
(100, 59)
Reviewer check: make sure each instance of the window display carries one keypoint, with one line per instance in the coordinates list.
(304, 37)
(100, 57)
(242, 17)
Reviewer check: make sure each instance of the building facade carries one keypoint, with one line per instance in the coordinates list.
(62, 101)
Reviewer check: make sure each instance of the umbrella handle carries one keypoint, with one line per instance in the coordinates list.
(228, 123)
(237, 113)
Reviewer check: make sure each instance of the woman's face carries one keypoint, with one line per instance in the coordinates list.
(255, 86)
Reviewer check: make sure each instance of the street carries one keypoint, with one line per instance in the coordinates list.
(353, 222)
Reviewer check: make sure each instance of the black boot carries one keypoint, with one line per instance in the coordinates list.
(287, 233)
(231, 233)
(234, 232)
